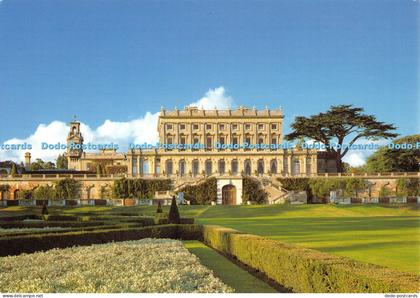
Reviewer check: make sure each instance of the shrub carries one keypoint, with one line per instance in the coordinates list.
(201, 194)
(174, 212)
(139, 188)
(26, 194)
(252, 191)
(408, 187)
(159, 208)
(68, 189)
(45, 192)
(44, 210)
(297, 184)
(306, 270)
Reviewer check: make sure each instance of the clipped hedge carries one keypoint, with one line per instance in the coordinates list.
(15, 245)
(306, 270)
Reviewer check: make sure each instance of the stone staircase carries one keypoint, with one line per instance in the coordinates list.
(180, 183)
(276, 193)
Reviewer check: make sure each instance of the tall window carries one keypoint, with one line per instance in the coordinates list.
(308, 165)
(260, 167)
(273, 166)
(182, 168)
(221, 166)
(247, 167)
(234, 164)
(209, 166)
(209, 143)
(134, 163)
(195, 167)
(169, 167)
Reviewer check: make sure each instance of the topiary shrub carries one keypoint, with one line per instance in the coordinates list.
(44, 210)
(159, 208)
(174, 212)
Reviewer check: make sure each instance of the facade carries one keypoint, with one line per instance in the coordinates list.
(219, 136)
(196, 143)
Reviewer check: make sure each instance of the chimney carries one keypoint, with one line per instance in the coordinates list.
(27, 159)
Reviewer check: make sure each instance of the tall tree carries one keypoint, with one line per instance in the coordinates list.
(397, 159)
(337, 124)
(62, 162)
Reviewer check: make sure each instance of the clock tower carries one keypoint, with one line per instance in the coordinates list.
(74, 144)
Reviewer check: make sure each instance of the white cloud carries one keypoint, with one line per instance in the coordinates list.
(138, 131)
(214, 98)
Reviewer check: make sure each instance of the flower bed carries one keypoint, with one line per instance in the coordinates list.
(147, 265)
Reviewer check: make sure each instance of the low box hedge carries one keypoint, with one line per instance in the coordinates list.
(15, 245)
(306, 270)
(43, 224)
(12, 203)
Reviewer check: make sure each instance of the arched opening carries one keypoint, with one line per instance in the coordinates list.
(273, 166)
(260, 167)
(182, 168)
(195, 168)
(221, 167)
(247, 167)
(209, 166)
(169, 167)
(16, 194)
(229, 195)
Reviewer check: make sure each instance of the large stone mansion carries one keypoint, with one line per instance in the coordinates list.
(220, 136)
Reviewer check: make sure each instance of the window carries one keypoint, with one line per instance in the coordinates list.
(183, 140)
(235, 126)
(222, 127)
(168, 126)
(209, 166)
(274, 126)
(169, 140)
(209, 143)
(222, 140)
(234, 167)
(273, 141)
(260, 126)
(247, 126)
(235, 140)
(182, 126)
(208, 126)
(195, 126)
(196, 141)
(221, 166)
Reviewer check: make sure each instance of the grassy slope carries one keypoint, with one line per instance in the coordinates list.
(228, 272)
(384, 235)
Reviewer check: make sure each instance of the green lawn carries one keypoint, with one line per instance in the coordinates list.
(383, 235)
(387, 235)
(228, 272)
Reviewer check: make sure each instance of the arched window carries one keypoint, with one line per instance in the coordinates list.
(209, 166)
(247, 167)
(182, 168)
(260, 167)
(169, 167)
(234, 165)
(273, 166)
(221, 167)
(195, 167)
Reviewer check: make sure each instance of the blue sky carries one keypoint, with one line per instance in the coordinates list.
(117, 60)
